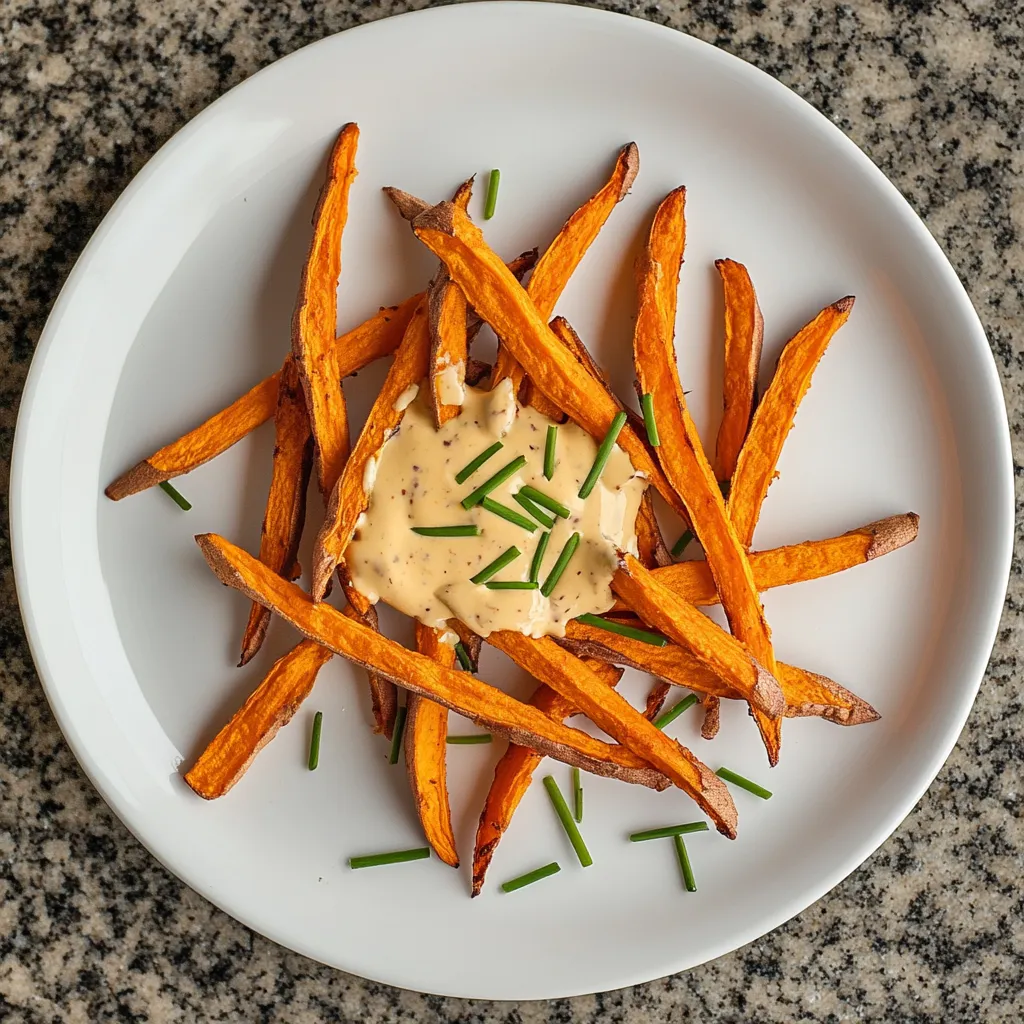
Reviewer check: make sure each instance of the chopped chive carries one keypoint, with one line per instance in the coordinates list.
(622, 629)
(176, 496)
(470, 468)
(495, 481)
(396, 736)
(508, 555)
(492, 193)
(538, 556)
(684, 865)
(465, 530)
(559, 567)
(398, 857)
(562, 810)
(542, 517)
(512, 585)
(604, 452)
(314, 741)
(549, 452)
(478, 737)
(724, 486)
(668, 831)
(647, 404)
(530, 877)
(508, 514)
(542, 499)
(682, 544)
(577, 796)
(675, 711)
(738, 780)
(464, 659)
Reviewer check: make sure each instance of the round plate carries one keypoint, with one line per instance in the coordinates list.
(183, 299)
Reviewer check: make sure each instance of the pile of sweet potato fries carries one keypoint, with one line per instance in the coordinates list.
(551, 370)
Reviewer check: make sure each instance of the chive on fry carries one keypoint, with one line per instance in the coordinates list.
(396, 736)
(669, 831)
(470, 468)
(530, 877)
(495, 482)
(738, 780)
(314, 741)
(643, 635)
(508, 514)
(512, 585)
(682, 544)
(562, 810)
(559, 567)
(549, 452)
(542, 517)
(508, 555)
(577, 796)
(465, 530)
(647, 404)
(464, 659)
(604, 452)
(538, 557)
(675, 711)
(492, 193)
(684, 865)
(540, 498)
(179, 499)
(465, 741)
(374, 860)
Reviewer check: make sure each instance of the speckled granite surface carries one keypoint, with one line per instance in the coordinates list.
(91, 928)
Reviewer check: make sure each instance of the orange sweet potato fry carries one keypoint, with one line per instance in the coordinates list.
(314, 324)
(755, 467)
(271, 706)
(490, 707)
(655, 698)
(383, 694)
(286, 502)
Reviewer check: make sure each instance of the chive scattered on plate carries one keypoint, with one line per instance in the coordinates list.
(540, 498)
(549, 452)
(508, 514)
(604, 452)
(494, 482)
(643, 635)
(465, 741)
(647, 404)
(176, 496)
(530, 877)
(675, 711)
(492, 193)
(562, 810)
(684, 865)
(508, 555)
(560, 566)
(669, 831)
(396, 736)
(577, 796)
(463, 530)
(538, 556)
(738, 780)
(470, 468)
(535, 510)
(682, 544)
(314, 741)
(373, 860)
(464, 659)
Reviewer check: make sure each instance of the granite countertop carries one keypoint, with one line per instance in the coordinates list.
(92, 928)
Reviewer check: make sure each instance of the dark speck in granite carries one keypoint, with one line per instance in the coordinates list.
(93, 929)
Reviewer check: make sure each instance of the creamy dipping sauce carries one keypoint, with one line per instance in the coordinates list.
(413, 485)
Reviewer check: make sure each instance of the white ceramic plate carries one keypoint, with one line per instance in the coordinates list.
(183, 298)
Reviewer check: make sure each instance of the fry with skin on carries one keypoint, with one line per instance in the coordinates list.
(271, 706)
(488, 706)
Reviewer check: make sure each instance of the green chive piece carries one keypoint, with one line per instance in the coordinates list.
(675, 711)
(724, 486)
(492, 193)
(738, 780)
(684, 865)
(314, 741)
(559, 567)
(465, 530)
(396, 736)
(464, 659)
(542, 499)
(562, 810)
(538, 557)
(542, 517)
(495, 482)
(398, 857)
(508, 514)
(512, 585)
(682, 544)
(549, 452)
(668, 831)
(468, 470)
(465, 741)
(647, 404)
(643, 635)
(530, 877)
(508, 555)
(577, 796)
(604, 452)
(179, 499)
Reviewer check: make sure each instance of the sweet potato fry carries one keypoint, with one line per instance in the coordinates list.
(383, 694)
(655, 698)
(459, 691)
(681, 454)
(426, 751)
(755, 467)
(610, 711)
(271, 706)
(286, 502)
(498, 298)
(314, 324)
